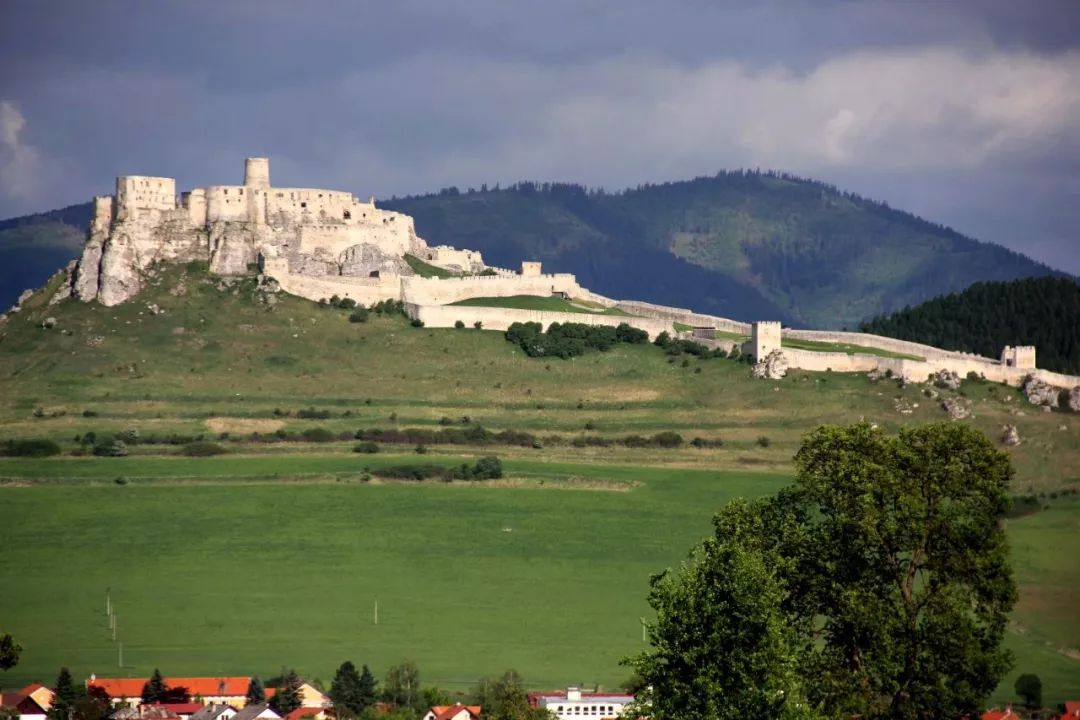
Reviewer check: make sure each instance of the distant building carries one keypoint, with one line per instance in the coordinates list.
(24, 703)
(310, 697)
(214, 691)
(575, 704)
(215, 712)
(453, 712)
(261, 711)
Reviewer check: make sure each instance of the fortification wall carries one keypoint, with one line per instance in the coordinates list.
(445, 255)
(365, 291)
(884, 343)
(684, 316)
(920, 370)
(502, 318)
(440, 291)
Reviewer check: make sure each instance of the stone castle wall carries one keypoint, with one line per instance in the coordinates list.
(444, 316)
(441, 291)
(684, 316)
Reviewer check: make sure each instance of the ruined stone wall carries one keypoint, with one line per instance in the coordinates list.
(446, 256)
(884, 343)
(365, 291)
(440, 291)
(764, 338)
(501, 318)
(135, 193)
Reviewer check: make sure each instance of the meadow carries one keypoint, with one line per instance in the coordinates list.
(276, 552)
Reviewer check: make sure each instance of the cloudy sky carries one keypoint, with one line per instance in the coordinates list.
(967, 113)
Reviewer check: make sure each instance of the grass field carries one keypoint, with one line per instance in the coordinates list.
(427, 270)
(848, 348)
(274, 554)
(536, 302)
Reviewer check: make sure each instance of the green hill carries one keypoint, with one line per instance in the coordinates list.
(1044, 312)
(745, 245)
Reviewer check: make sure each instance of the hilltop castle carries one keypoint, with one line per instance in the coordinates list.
(302, 231)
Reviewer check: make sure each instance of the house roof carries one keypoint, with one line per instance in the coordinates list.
(205, 686)
(211, 712)
(445, 712)
(1072, 708)
(182, 708)
(556, 695)
(23, 702)
(995, 714)
(303, 712)
(32, 688)
(250, 712)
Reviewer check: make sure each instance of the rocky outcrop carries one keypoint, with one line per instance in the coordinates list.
(1074, 399)
(773, 367)
(1010, 436)
(365, 259)
(957, 408)
(947, 379)
(1039, 393)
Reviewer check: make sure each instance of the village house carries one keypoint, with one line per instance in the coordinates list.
(215, 711)
(32, 702)
(572, 703)
(206, 690)
(453, 712)
(261, 711)
(310, 696)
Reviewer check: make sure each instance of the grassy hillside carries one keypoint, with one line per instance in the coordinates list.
(1044, 312)
(275, 552)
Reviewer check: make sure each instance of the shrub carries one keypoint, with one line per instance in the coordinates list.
(487, 468)
(459, 325)
(478, 325)
(346, 303)
(129, 436)
(120, 480)
(699, 442)
(445, 421)
(764, 441)
(203, 449)
(367, 447)
(110, 447)
(360, 315)
(667, 439)
(313, 414)
(34, 447)
(417, 323)
(89, 413)
(662, 340)
(318, 435)
(420, 450)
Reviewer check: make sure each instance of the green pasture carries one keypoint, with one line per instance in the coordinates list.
(427, 270)
(536, 302)
(274, 553)
(849, 348)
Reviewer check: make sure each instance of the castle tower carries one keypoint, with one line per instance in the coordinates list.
(1022, 356)
(764, 338)
(257, 172)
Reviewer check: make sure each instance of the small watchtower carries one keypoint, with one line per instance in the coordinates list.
(530, 269)
(764, 338)
(1021, 356)
(257, 172)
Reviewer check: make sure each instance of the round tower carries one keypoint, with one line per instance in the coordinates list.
(257, 172)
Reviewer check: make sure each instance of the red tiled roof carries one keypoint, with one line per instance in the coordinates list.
(445, 712)
(995, 714)
(25, 704)
(1072, 708)
(204, 686)
(182, 708)
(303, 712)
(33, 687)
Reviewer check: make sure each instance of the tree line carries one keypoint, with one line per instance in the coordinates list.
(1044, 312)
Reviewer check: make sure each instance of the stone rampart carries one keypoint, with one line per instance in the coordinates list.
(501, 318)
(684, 316)
(441, 291)
(884, 343)
(365, 291)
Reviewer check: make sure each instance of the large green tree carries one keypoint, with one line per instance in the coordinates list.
(155, 688)
(9, 652)
(287, 696)
(63, 704)
(256, 694)
(352, 692)
(505, 698)
(402, 685)
(878, 585)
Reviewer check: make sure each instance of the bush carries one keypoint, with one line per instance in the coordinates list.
(420, 450)
(34, 447)
(129, 436)
(110, 447)
(662, 340)
(764, 441)
(346, 303)
(120, 480)
(459, 325)
(313, 414)
(360, 315)
(478, 325)
(699, 442)
(487, 468)
(318, 435)
(417, 323)
(89, 413)
(202, 449)
(667, 439)
(368, 448)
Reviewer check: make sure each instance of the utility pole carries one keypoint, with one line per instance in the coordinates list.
(376, 611)
(120, 658)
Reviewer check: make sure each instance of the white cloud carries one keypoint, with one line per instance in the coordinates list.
(20, 164)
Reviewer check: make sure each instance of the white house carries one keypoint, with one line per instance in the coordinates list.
(574, 704)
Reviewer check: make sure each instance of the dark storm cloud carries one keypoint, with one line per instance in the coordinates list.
(962, 112)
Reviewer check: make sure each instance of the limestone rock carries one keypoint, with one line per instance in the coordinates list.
(947, 379)
(1074, 399)
(1039, 393)
(364, 259)
(876, 374)
(48, 323)
(957, 408)
(1010, 436)
(903, 407)
(931, 393)
(773, 367)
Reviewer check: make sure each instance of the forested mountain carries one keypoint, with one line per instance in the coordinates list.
(33, 247)
(743, 244)
(1044, 312)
